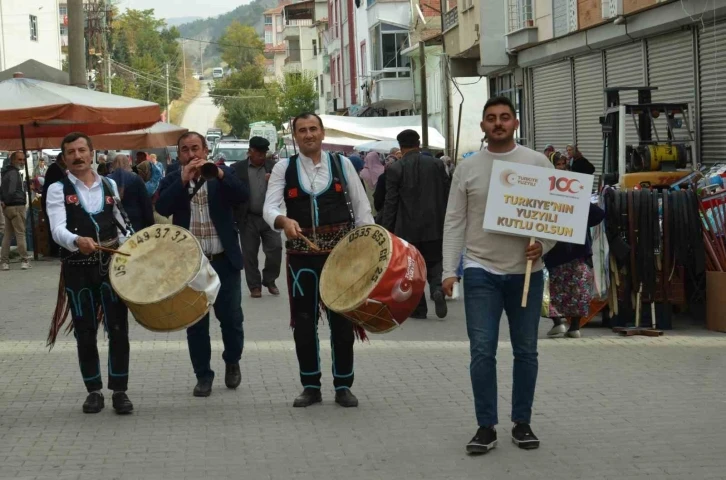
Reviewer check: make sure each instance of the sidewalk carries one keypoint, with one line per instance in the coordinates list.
(606, 407)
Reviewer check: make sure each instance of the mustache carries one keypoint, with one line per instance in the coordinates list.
(78, 162)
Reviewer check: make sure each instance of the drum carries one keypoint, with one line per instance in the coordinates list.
(167, 283)
(373, 278)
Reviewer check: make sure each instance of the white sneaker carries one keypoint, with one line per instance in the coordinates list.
(574, 334)
(6, 267)
(557, 330)
(25, 265)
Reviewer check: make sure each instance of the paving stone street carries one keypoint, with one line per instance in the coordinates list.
(606, 407)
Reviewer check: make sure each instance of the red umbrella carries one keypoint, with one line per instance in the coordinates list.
(37, 109)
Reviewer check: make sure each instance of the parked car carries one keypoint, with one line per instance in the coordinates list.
(233, 151)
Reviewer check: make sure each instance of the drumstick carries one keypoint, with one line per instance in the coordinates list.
(111, 250)
(310, 243)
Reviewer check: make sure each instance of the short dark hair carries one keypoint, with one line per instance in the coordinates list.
(72, 137)
(192, 134)
(499, 101)
(304, 116)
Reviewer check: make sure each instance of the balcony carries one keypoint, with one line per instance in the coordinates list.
(451, 19)
(521, 29)
(293, 27)
(392, 86)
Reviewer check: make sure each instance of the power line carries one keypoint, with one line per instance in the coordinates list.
(210, 42)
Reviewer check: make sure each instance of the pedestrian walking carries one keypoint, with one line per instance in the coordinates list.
(254, 173)
(13, 198)
(494, 268)
(324, 201)
(205, 207)
(83, 215)
(417, 189)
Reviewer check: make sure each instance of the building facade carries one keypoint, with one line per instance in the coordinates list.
(29, 31)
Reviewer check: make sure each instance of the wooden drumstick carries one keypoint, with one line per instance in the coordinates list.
(309, 242)
(111, 250)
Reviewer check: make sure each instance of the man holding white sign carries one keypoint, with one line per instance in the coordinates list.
(494, 274)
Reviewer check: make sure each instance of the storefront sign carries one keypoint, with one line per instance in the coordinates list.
(538, 202)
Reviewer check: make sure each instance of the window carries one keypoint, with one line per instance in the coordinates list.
(268, 19)
(63, 10)
(387, 41)
(315, 48)
(333, 83)
(34, 28)
(268, 37)
(322, 85)
(520, 14)
(317, 85)
(363, 59)
(63, 30)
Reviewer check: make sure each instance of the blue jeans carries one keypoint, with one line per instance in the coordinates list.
(486, 295)
(228, 310)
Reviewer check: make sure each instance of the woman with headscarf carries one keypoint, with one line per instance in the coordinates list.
(578, 163)
(372, 170)
(151, 177)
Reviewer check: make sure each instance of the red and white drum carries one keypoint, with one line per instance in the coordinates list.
(373, 278)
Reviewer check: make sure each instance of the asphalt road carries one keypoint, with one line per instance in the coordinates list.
(201, 112)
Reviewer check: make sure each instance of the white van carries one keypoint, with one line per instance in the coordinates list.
(218, 72)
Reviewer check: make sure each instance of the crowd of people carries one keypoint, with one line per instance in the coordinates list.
(424, 199)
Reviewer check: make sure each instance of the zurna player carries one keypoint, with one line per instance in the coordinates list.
(324, 200)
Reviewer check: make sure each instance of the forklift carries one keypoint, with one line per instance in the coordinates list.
(658, 162)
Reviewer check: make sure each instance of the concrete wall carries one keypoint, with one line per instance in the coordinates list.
(475, 91)
(15, 43)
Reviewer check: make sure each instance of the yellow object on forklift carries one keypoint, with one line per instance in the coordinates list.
(652, 179)
(661, 154)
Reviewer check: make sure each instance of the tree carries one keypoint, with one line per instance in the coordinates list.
(241, 45)
(295, 94)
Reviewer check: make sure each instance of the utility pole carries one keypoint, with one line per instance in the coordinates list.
(77, 44)
(424, 98)
(167, 92)
(108, 70)
(201, 59)
(184, 67)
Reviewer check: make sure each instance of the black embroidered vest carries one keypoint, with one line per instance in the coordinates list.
(100, 225)
(332, 208)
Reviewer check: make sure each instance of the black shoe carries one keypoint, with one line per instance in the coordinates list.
(345, 398)
(232, 375)
(121, 403)
(93, 403)
(441, 308)
(484, 440)
(203, 387)
(523, 437)
(308, 397)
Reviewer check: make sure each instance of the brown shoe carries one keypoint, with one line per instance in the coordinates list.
(272, 288)
(256, 292)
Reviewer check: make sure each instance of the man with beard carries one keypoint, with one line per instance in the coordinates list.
(255, 173)
(325, 201)
(205, 207)
(83, 216)
(494, 268)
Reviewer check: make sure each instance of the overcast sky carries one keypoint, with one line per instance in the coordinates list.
(184, 8)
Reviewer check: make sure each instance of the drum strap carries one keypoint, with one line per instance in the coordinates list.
(121, 209)
(338, 165)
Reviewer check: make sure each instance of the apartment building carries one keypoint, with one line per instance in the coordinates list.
(29, 31)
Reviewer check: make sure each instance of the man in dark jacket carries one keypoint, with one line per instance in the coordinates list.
(254, 173)
(132, 190)
(205, 207)
(417, 189)
(12, 195)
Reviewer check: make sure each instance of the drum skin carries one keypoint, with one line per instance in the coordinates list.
(373, 278)
(153, 281)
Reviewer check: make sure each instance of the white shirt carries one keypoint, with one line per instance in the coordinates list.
(92, 200)
(315, 179)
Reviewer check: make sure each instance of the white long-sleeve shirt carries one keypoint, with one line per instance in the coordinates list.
(92, 200)
(315, 179)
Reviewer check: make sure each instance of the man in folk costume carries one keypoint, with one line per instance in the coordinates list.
(324, 201)
(84, 214)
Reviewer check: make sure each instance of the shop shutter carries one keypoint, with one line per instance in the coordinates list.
(589, 106)
(624, 68)
(712, 46)
(553, 116)
(670, 68)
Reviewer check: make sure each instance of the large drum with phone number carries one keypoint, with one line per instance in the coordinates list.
(373, 278)
(166, 281)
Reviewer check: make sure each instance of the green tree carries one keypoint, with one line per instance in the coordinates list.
(241, 45)
(295, 94)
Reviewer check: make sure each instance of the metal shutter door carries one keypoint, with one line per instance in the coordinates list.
(624, 68)
(553, 116)
(711, 46)
(670, 68)
(589, 106)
